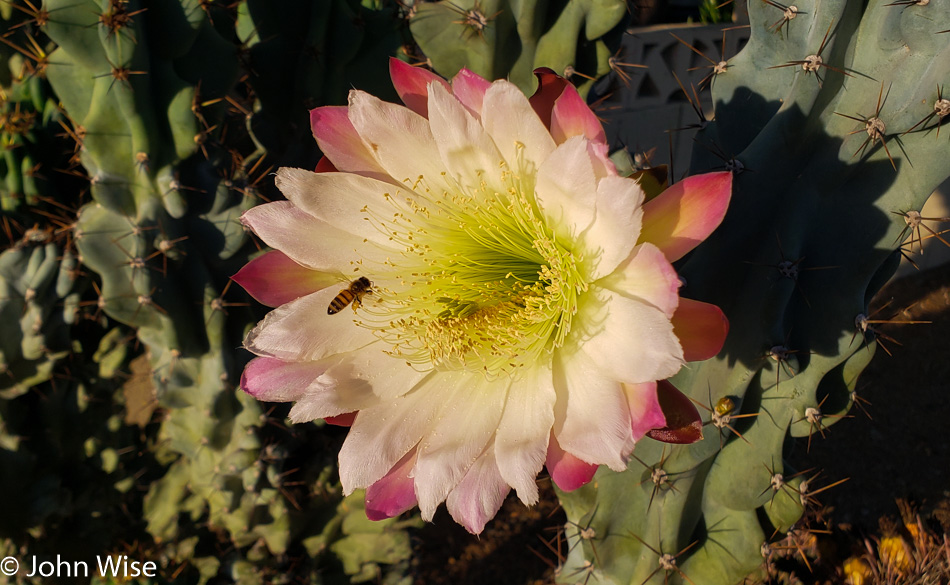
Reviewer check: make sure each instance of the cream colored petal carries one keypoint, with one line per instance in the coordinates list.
(461, 431)
(521, 443)
(381, 435)
(646, 275)
(566, 190)
(355, 381)
(343, 200)
(400, 140)
(629, 340)
(301, 330)
(592, 421)
(307, 240)
(480, 494)
(518, 133)
(616, 226)
(468, 152)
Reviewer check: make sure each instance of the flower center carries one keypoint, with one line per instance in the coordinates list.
(483, 283)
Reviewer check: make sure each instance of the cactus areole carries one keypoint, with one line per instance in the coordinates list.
(522, 304)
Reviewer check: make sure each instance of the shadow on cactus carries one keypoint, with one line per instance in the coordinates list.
(827, 172)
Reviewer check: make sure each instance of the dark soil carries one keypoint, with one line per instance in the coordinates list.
(518, 546)
(898, 449)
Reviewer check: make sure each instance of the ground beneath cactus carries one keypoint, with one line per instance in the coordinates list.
(897, 449)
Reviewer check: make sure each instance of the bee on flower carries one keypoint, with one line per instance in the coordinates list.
(524, 311)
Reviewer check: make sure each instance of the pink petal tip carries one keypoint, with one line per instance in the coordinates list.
(394, 493)
(412, 85)
(567, 471)
(701, 328)
(274, 279)
(571, 116)
(645, 411)
(685, 214)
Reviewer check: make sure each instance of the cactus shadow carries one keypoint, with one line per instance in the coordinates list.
(805, 242)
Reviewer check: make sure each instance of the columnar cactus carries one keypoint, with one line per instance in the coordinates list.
(829, 120)
(500, 38)
(174, 144)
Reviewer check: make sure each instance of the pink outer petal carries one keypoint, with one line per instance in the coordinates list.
(600, 156)
(686, 213)
(480, 494)
(550, 87)
(683, 423)
(571, 116)
(274, 380)
(274, 279)
(325, 166)
(343, 420)
(412, 85)
(645, 411)
(567, 472)
(394, 493)
(342, 145)
(701, 329)
(470, 88)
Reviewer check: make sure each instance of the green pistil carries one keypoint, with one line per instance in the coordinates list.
(484, 283)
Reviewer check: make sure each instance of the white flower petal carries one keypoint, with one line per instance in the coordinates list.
(592, 420)
(381, 435)
(343, 200)
(480, 494)
(301, 330)
(467, 151)
(355, 381)
(388, 376)
(400, 140)
(321, 389)
(463, 428)
(340, 143)
(616, 226)
(627, 339)
(518, 133)
(566, 189)
(647, 275)
(521, 442)
(332, 398)
(307, 240)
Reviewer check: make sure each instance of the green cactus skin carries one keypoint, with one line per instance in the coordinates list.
(178, 111)
(36, 316)
(511, 38)
(818, 210)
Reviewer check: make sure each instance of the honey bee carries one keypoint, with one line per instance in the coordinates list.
(351, 294)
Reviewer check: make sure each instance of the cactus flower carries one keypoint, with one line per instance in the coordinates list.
(515, 304)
